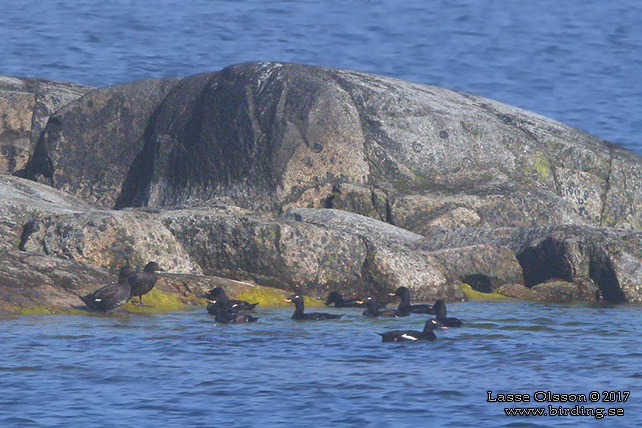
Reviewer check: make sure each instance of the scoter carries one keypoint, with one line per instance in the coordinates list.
(312, 316)
(412, 335)
(339, 302)
(375, 311)
(142, 282)
(440, 311)
(110, 296)
(218, 293)
(227, 313)
(406, 306)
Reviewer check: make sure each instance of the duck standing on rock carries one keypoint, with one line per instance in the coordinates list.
(412, 335)
(111, 296)
(218, 294)
(143, 282)
(405, 306)
(227, 313)
(312, 316)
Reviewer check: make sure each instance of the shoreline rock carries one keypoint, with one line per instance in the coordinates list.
(313, 179)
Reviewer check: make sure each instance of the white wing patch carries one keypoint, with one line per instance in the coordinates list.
(409, 337)
(98, 300)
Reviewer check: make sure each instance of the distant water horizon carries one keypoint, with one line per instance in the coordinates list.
(577, 62)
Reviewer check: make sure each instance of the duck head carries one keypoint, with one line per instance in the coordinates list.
(297, 300)
(431, 325)
(333, 297)
(152, 267)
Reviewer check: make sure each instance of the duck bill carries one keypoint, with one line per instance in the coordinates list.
(391, 294)
(360, 302)
(287, 300)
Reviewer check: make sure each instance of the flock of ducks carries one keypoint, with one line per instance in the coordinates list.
(233, 311)
(132, 283)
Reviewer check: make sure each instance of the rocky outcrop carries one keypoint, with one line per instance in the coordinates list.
(88, 147)
(39, 284)
(271, 136)
(611, 258)
(310, 251)
(311, 179)
(554, 291)
(42, 220)
(25, 107)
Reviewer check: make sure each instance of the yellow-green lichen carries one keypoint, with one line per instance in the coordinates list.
(271, 298)
(157, 301)
(42, 310)
(478, 295)
(542, 166)
(264, 297)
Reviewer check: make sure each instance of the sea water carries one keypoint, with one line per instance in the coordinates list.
(184, 369)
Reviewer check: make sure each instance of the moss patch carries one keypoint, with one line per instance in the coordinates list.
(271, 298)
(542, 166)
(478, 295)
(265, 297)
(159, 302)
(41, 310)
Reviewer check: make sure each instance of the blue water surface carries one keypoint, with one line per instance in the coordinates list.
(183, 369)
(577, 61)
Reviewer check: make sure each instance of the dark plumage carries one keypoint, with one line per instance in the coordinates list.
(227, 313)
(339, 302)
(110, 296)
(143, 282)
(440, 311)
(412, 335)
(406, 306)
(375, 311)
(218, 293)
(312, 316)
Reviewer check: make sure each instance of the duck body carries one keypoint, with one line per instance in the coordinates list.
(142, 282)
(218, 293)
(226, 313)
(340, 302)
(110, 296)
(374, 310)
(441, 311)
(300, 315)
(406, 306)
(412, 335)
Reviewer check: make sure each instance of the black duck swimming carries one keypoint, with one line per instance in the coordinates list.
(440, 311)
(312, 316)
(406, 306)
(412, 335)
(218, 293)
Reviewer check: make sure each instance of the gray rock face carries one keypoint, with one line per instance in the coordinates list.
(611, 258)
(309, 251)
(25, 106)
(273, 136)
(311, 179)
(88, 147)
(42, 220)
